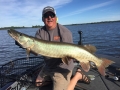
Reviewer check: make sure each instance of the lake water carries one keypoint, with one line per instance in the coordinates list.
(105, 36)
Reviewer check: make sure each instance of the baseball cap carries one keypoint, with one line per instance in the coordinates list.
(47, 9)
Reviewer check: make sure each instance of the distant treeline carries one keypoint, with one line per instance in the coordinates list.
(39, 26)
(12, 27)
(18, 27)
(94, 23)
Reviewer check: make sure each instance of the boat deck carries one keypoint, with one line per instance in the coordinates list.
(99, 83)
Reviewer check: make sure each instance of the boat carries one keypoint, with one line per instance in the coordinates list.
(20, 74)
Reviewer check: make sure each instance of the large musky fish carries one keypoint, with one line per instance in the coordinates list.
(60, 50)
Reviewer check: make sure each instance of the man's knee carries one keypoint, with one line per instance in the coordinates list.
(61, 85)
(60, 82)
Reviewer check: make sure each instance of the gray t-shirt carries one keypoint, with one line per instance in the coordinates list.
(53, 35)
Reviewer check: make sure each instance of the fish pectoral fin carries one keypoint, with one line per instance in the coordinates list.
(85, 66)
(28, 52)
(65, 60)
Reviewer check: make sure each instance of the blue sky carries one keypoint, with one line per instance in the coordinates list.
(29, 12)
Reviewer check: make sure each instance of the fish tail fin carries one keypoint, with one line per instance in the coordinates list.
(105, 63)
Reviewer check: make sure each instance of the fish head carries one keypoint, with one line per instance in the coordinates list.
(24, 40)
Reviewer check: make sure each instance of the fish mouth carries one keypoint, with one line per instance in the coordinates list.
(13, 34)
(9, 31)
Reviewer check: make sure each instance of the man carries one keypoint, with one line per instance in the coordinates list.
(55, 69)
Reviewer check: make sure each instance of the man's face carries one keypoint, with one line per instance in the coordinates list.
(49, 19)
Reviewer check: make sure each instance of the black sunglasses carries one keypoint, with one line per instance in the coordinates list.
(52, 15)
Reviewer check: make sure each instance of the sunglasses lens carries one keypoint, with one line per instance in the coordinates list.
(52, 15)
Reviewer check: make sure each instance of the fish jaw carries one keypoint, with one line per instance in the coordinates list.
(13, 34)
(21, 38)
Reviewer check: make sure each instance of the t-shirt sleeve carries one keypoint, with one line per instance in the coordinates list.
(67, 36)
(37, 35)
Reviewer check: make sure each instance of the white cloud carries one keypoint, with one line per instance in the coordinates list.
(110, 18)
(28, 12)
(25, 11)
(89, 8)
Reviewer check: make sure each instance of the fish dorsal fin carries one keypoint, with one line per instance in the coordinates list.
(90, 48)
(85, 66)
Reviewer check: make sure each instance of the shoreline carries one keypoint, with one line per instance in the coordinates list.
(93, 23)
(38, 26)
